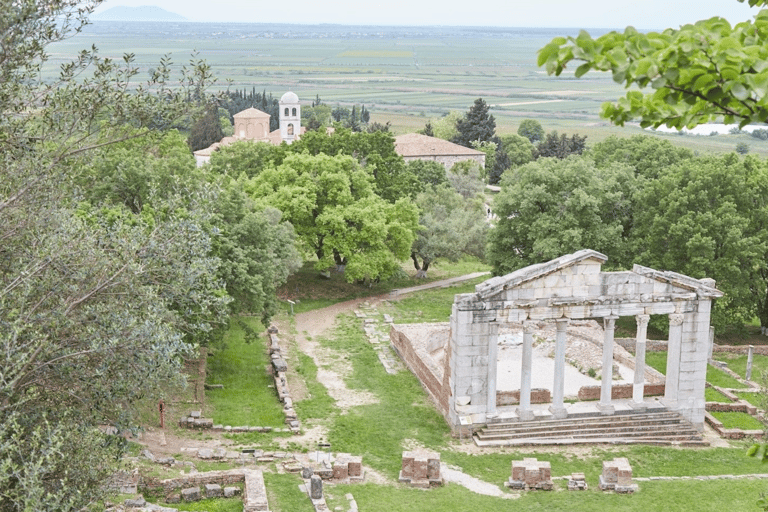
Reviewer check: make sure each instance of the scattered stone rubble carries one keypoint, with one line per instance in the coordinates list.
(617, 476)
(577, 482)
(530, 474)
(421, 469)
(378, 336)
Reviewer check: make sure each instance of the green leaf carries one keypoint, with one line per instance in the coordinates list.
(582, 70)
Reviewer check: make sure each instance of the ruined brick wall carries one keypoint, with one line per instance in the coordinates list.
(405, 350)
(741, 349)
(226, 477)
(620, 391)
(538, 396)
(650, 345)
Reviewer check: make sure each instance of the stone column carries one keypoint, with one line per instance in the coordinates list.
(524, 412)
(606, 383)
(750, 356)
(558, 408)
(671, 383)
(638, 390)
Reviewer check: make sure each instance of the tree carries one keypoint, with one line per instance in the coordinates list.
(375, 151)
(554, 146)
(246, 157)
(553, 207)
(647, 155)
(700, 72)
(514, 151)
(331, 203)
(712, 222)
(427, 173)
(742, 148)
(476, 125)
(531, 130)
(450, 227)
(95, 301)
(466, 178)
(445, 127)
(489, 148)
(206, 129)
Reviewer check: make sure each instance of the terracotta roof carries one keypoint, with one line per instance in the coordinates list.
(415, 144)
(251, 112)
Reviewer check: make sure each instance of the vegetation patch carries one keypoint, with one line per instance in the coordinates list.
(713, 395)
(738, 363)
(719, 378)
(239, 363)
(740, 420)
(756, 399)
(284, 495)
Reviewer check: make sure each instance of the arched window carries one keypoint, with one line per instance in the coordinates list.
(294, 112)
(290, 129)
(286, 110)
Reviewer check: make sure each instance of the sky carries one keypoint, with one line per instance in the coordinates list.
(642, 14)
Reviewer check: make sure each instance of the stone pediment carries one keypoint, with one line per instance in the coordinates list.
(576, 280)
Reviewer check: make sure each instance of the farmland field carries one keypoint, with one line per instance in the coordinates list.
(404, 75)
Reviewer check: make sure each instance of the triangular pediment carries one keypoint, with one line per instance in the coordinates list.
(577, 279)
(585, 261)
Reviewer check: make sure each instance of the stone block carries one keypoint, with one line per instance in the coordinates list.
(355, 467)
(191, 494)
(139, 502)
(231, 492)
(316, 487)
(531, 474)
(340, 470)
(213, 491)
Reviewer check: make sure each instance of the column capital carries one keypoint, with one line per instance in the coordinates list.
(609, 321)
(562, 322)
(642, 319)
(675, 319)
(529, 326)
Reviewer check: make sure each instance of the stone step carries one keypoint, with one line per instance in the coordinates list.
(655, 441)
(661, 427)
(533, 426)
(675, 430)
(581, 417)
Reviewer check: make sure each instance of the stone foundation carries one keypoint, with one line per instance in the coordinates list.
(529, 474)
(617, 476)
(421, 469)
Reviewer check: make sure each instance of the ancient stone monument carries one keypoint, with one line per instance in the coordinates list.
(617, 476)
(567, 289)
(530, 474)
(421, 469)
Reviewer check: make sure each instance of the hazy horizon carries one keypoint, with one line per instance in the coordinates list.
(643, 14)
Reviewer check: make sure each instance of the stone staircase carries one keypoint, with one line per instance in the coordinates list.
(657, 427)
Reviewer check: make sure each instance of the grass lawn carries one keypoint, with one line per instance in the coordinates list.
(403, 412)
(719, 378)
(657, 361)
(740, 420)
(714, 496)
(239, 363)
(756, 399)
(309, 290)
(713, 395)
(738, 363)
(428, 306)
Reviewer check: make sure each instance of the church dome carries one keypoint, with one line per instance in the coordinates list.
(289, 97)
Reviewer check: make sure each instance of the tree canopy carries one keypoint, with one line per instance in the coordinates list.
(476, 125)
(96, 299)
(703, 71)
(330, 200)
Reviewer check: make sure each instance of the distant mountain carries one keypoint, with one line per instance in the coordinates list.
(143, 13)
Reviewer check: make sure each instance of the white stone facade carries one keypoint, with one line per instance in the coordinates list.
(568, 288)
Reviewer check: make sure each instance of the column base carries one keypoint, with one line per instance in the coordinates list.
(638, 406)
(525, 414)
(606, 409)
(558, 413)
